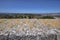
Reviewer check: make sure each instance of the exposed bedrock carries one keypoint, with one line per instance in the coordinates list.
(30, 37)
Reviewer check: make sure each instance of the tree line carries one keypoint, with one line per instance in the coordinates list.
(28, 16)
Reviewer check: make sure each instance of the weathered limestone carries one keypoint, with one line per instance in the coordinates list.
(29, 37)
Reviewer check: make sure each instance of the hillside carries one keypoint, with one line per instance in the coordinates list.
(17, 25)
(29, 15)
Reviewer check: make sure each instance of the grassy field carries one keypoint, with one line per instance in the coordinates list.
(9, 23)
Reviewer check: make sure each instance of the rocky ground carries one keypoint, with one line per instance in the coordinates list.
(40, 29)
(29, 37)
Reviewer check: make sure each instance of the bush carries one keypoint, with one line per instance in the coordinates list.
(47, 17)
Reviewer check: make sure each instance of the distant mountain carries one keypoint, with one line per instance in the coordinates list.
(28, 15)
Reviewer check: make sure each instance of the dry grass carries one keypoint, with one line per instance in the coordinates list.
(28, 22)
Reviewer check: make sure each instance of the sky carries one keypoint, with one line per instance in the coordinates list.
(30, 6)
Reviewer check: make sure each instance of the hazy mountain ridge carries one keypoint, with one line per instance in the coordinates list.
(30, 15)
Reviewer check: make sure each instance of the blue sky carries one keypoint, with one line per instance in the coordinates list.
(30, 6)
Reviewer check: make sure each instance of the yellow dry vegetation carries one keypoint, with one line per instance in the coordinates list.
(11, 22)
(51, 22)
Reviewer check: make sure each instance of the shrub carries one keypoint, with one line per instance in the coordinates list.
(47, 17)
